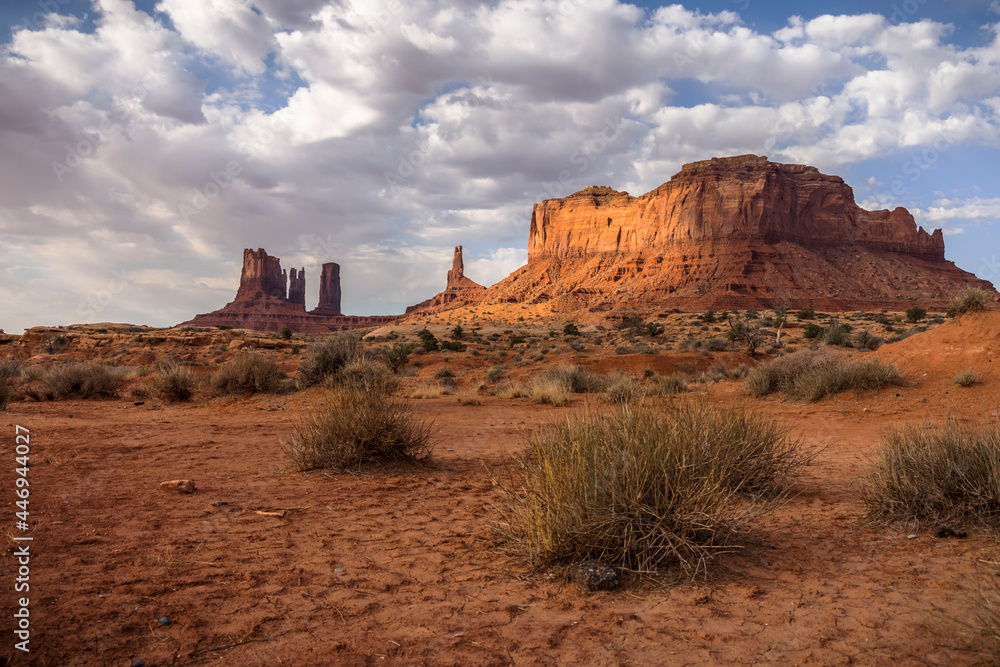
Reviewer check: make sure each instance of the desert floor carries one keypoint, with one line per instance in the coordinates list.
(400, 566)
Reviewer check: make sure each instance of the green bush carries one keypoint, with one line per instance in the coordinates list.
(654, 329)
(813, 331)
(929, 476)
(396, 356)
(325, 359)
(810, 375)
(452, 346)
(866, 340)
(494, 374)
(571, 330)
(358, 426)
(807, 314)
(55, 343)
(286, 333)
(365, 375)
(428, 341)
(836, 333)
(969, 300)
(247, 373)
(642, 489)
(709, 317)
(915, 314)
(457, 332)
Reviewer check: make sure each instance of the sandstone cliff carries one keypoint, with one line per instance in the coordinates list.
(738, 232)
(261, 303)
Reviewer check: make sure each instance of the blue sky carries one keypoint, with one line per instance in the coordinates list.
(144, 145)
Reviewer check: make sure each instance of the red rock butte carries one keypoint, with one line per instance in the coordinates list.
(737, 232)
(270, 299)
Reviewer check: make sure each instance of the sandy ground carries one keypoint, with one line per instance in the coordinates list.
(401, 567)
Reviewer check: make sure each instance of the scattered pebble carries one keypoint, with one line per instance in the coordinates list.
(137, 404)
(178, 486)
(764, 563)
(339, 570)
(594, 575)
(138, 663)
(912, 536)
(163, 620)
(220, 503)
(944, 530)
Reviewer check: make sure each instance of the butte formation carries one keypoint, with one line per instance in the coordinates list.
(726, 233)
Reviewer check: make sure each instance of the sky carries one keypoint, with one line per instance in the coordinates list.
(144, 145)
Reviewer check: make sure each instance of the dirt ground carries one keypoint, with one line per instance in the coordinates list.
(401, 566)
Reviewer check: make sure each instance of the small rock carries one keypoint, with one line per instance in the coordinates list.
(138, 663)
(594, 575)
(912, 536)
(178, 486)
(339, 570)
(944, 530)
(764, 563)
(220, 503)
(163, 620)
(138, 403)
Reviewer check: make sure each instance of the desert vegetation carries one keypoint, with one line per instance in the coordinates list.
(934, 476)
(642, 489)
(248, 373)
(811, 375)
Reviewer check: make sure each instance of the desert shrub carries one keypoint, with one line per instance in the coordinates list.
(807, 314)
(967, 378)
(55, 344)
(810, 375)
(508, 389)
(452, 346)
(836, 333)
(365, 375)
(745, 332)
(715, 344)
(622, 389)
(396, 356)
(642, 489)
(866, 340)
(10, 368)
(173, 382)
(812, 330)
(621, 349)
(6, 394)
(325, 358)
(915, 313)
(457, 332)
(571, 330)
(247, 373)
(654, 329)
(286, 333)
(577, 378)
(969, 300)
(428, 341)
(550, 390)
(85, 379)
(426, 389)
(668, 385)
(494, 374)
(927, 476)
(356, 427)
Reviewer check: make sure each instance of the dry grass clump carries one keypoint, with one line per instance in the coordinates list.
(509, 389)
(173, 382)
(10, 373)
(577, 378)
(969, 300)
(356, 427)
(668, 385)
(642, 489)
(809, 375)
(85, 379)
(325, 358)
(622, 389)
(247, 373)
(929, 476)
(967, 378)
(550, 389)
(426, 389)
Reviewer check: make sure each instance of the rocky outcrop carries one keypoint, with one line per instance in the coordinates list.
(737, 232)
(261, 303)
(297, 287)
(458, 291)
(329, 290)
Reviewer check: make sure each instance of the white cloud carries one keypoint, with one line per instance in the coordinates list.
(399, 130)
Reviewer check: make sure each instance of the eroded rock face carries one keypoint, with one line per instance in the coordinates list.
(459, 290)
(261, 274)
(725, 199)
(329, 290)
(728, 233)
(297, 287)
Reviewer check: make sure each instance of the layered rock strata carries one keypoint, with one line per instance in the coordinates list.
(738, 232)
(458, 291)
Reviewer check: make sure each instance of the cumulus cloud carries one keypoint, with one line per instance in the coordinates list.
(380, 134)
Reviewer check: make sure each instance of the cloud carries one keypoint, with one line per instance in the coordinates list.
(380, 134)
